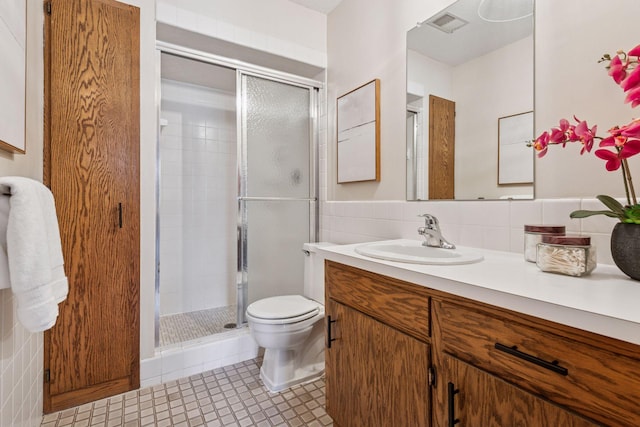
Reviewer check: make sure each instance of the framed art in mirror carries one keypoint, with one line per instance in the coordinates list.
(12, 75)
(358, 127)
(515, 158)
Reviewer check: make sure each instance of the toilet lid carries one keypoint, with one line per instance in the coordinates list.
(282, 307)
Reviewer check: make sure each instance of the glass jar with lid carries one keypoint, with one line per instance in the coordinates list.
(570, 255)
(533, 235)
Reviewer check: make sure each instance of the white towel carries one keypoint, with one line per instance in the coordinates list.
(4, 262)
(34, 253)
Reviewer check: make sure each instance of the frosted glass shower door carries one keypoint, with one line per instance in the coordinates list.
(277, 195)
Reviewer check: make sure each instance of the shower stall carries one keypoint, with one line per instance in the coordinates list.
(237, 188)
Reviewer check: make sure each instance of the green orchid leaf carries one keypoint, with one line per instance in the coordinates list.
(632, 213)
(585, 214)
(612, 204)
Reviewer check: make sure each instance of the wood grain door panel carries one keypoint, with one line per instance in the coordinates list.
(442, 131)
(376, 375)
(481, 399)
(92, 168)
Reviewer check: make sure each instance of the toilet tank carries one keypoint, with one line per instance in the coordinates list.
(314, 271)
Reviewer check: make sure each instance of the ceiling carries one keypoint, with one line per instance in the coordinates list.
(324, 6)
(476, 38)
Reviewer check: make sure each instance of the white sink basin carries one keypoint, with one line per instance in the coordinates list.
(415, 253)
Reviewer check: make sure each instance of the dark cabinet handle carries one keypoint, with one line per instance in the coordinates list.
(329, 339)
(451, 393)
(120, 215)
(552, 366)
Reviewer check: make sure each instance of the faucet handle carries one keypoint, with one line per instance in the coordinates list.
(430, 221)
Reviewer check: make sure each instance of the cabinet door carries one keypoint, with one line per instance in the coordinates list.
(376, 376)
(92, 167)
(476, 398)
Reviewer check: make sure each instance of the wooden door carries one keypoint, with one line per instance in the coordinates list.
(476, 398)
(442, 131)
(376, 375)
(92, 167)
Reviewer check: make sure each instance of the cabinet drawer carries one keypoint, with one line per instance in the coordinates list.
(591, 380)
(401, 305)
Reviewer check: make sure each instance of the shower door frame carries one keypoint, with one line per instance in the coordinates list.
(241, 68)
(242, 280)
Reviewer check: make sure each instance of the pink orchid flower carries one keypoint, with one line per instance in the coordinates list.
(631, 81)
(557, 136)
(541, 144)
(632, 130)
(614, 159)
(633, 97)
(585, 135)
(635, 51)
(617, 70)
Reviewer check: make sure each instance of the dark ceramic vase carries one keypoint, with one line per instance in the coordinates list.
(625, 248)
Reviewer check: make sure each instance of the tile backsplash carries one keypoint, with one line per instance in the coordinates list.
(497, 225)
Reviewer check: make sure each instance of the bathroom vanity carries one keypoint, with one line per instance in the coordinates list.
(493, 343)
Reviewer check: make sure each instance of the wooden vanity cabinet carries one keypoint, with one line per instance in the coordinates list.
(400, 354)
(581, 375)
(378, 356)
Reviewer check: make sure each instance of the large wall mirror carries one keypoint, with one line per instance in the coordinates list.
(468, 67)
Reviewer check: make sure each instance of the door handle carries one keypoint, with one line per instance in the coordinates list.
(451, 394)
(120, 215)
(329, 338)
(552, 366)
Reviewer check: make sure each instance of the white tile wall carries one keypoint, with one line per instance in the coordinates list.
(197, 198)
(495, 225)
(21, 369)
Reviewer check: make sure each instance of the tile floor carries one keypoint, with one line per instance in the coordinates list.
(175, 328)
(229, 396)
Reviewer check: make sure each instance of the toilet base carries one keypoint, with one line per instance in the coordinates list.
(300, 376)
(284, 368)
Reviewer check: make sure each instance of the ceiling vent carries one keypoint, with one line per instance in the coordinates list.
(447, 22)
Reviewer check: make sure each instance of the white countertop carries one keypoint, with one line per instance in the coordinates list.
(606, 302)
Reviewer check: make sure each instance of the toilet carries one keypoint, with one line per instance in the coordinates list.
(291, 329)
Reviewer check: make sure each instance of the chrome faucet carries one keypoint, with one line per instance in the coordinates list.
(432, 234)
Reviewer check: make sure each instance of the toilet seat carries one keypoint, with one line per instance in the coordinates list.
(282, 309)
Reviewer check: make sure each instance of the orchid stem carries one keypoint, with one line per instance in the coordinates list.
(628, 183)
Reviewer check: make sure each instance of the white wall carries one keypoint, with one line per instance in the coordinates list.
(279, 27)
(197, 198)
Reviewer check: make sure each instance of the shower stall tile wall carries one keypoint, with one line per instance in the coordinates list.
(197, 198)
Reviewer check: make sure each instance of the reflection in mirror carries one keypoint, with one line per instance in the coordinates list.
(412, 154)
(463, 74)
